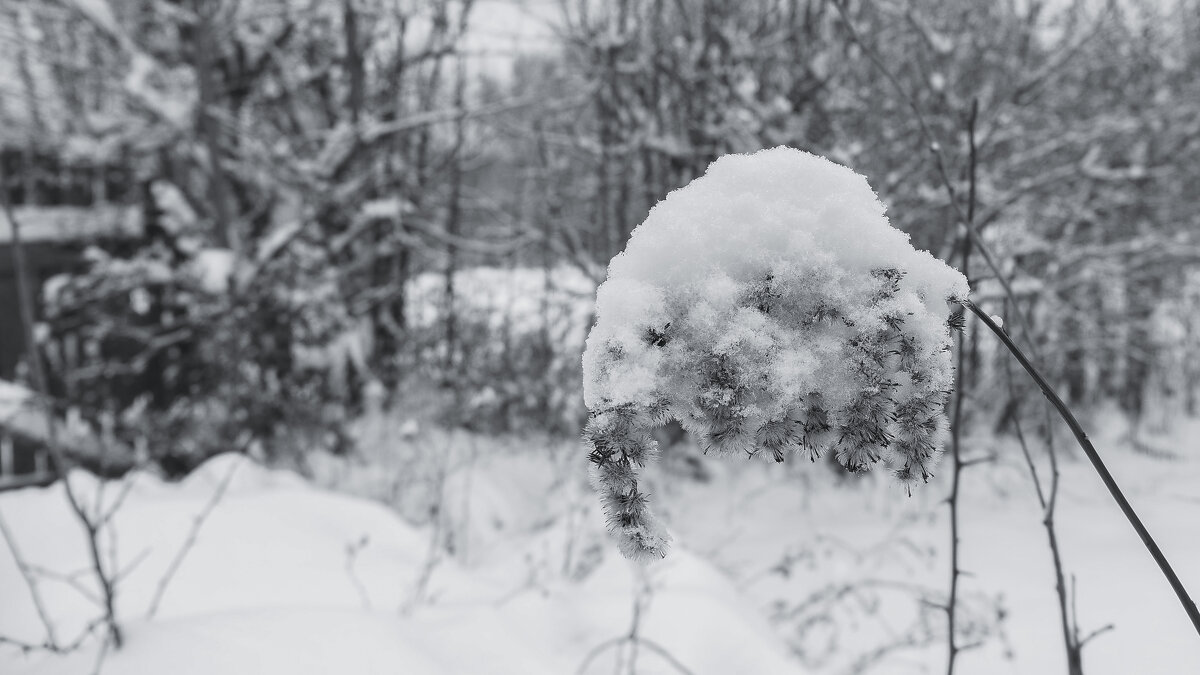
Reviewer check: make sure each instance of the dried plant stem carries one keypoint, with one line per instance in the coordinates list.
(193, 533)
(633, 639)
(1048, 500)
(55, 648)
(61, 466)
(352, 550)
(1189, 605)
(952, 499)
(958, 465)
(979, 246)
(27, 573)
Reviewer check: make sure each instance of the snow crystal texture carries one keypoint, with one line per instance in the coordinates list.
(767, 306)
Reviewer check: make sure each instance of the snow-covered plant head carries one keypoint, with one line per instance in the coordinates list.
(768, 306)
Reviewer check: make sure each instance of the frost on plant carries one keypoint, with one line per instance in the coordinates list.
(770, 307)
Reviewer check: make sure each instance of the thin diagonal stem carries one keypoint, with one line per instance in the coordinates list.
(1189, 605)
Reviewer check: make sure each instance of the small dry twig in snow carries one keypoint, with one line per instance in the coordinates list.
(188, 543)
(31, 582)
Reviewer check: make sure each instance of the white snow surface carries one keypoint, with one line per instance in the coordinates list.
(268, 588)
(779, 570)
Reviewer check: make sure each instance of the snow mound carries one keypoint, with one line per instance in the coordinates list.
(284, 577)
(768, 305)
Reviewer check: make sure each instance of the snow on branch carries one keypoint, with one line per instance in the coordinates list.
(767, 306)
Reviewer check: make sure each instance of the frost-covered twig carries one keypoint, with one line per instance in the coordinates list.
(190, 541)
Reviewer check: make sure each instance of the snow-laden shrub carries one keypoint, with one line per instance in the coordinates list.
(155, 350)
(767, 306)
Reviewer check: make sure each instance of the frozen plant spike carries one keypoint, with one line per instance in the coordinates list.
(768, 306)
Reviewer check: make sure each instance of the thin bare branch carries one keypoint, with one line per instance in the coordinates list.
(193, 533)
(67, 648)
(1185, 599)
(60, 460)
(27, 573)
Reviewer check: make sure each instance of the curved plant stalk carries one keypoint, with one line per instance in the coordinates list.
(1189, 605)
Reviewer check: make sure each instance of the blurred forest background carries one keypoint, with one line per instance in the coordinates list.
(360, 239)
(252, 218)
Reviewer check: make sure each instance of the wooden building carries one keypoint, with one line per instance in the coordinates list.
(61, 211)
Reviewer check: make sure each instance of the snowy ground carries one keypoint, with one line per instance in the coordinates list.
(776, 569)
